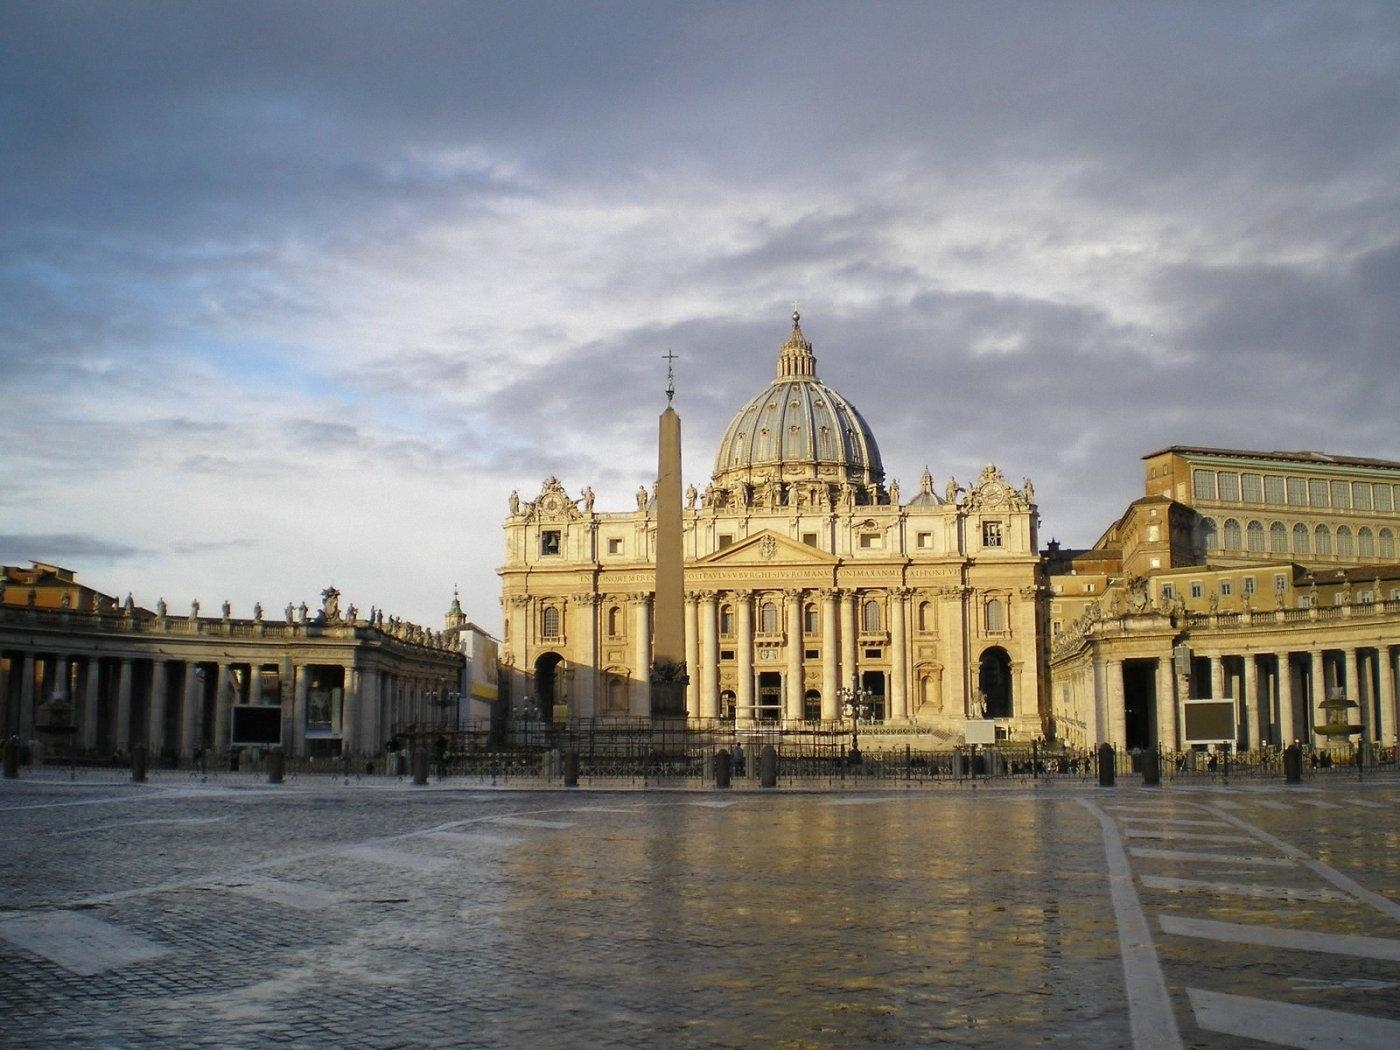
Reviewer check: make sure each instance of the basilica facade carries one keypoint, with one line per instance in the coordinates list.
(809, 577)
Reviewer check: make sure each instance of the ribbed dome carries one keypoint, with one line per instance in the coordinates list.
(798, 427)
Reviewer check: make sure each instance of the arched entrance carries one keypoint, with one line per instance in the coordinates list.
(994, 682)
(547, 691)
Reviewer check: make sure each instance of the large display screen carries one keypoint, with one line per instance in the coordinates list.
(256, 724)
(1209, 721)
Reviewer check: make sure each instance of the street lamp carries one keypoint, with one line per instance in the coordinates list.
(855, 705)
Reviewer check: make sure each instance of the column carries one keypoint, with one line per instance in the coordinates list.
(641, 655)
(1286, 731)
(1251, 702)
(224, 689)
(1355, 692)
(155, 711)
(899, 659)
(692, 654)
(350, 712)
(792, 679)
(743, 614)
(26, 697)
(59, 691)
(1386, 672)
(1316, 693)
(831, 673)
(370, 733)
(190, 710)
(7, 726)
(1166, 704)
(585, 643)
(1217, 677)
(1102, 733)
(1117, 714)
(91, 698)
(121, 736)
(848, 635)
(709, 657)
(303, 682)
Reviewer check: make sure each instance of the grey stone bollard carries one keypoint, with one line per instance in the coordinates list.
(571, 769)
(722, 768)
(420, 768)
(1152, 767)
(276, 765)
(1293, 764)
(12, 758)
(768, 766)
(1106, 765)
(138, 764)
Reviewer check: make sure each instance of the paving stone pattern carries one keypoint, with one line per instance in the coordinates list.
(375, 914)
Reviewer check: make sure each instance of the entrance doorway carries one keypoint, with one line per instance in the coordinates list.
(994, 680)
(547, 685)
(770, 697)
(1140, 703)
(874, 683)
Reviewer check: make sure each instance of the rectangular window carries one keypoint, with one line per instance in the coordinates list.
(1198, 589)
(1341, 495)
(925, 540)
(1203, 484)
(1168, 591)
(1252, 488)
(1297, 494)
(870, 541)
(1229, 487)
(1382, 495)
(726, 540)
(1273, 490)
(811, 654)
(1361, 495)
(872, 654)
(809, 538)
(1249, 585)
(1305, 601)
(1055, 627)
(1226, 588)
(726, 654)
(614, 546)
(991, 534)
(1154, 563)
(549, 541)
(1366, 597)
(1317, 493)
(1154, 533)
(1280, 582)
(1088, 588)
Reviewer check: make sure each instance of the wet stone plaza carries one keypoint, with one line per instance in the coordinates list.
(230, 912)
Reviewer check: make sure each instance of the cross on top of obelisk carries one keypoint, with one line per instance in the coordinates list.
(669, 357)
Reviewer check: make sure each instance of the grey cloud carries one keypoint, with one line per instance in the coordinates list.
(56, 546)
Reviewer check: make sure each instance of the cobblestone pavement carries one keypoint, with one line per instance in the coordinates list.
(321, 913)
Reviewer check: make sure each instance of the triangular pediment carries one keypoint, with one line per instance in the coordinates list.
(768, 548)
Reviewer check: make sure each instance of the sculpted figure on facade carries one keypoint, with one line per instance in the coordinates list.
(588, 498)
(691, 495)
(161, 607)
(641, 497)
(894, 493)
(514, 502)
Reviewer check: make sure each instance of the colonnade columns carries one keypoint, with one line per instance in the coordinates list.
(743, 696)
(899, 665)
(1166, 704)
(155, 710)
(1357, 693)
(224, 699)
(709, 657)
(350, 711)
(641, 702)
(1386, 673)
(831, 680)
(1103, 717)
(792, 680)
(1318, 691)
(303, 682)
(692, 655)
(122, 732)
(59, 691)
(586, 606)
(1251, 702)
(1286, 734)
(848, 634)
(91, 697)
(1217, 677)
(370, 735)
(1117, 714)
(26, 697)
(190, 711)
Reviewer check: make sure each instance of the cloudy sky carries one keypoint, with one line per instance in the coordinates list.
(293, 294)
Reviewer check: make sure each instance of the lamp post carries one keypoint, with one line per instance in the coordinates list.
(855, 705)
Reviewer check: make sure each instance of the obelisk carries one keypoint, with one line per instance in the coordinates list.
(668, 670)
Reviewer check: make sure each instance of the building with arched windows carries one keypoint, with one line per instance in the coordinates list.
(806, 573)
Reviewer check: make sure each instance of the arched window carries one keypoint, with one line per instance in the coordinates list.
(1232, 535)
(549, 627)
(870, 616)
(1210, 537)
(614, 622)
(996, 615)
(1300, 538)
(1254, 535)
(809, 620)
(1344, 544)
(726, 621)
(925, 616)
(1365, 543)
(1387, 545)
(1278, 538)
(1322, 540)
(768, 618)
(812, 705)
(617, 695)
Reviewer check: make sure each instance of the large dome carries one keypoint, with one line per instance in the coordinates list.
(799, 428)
